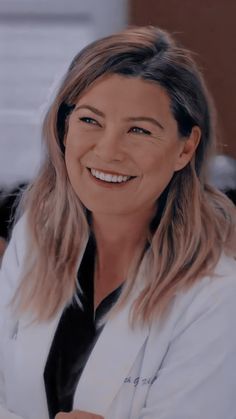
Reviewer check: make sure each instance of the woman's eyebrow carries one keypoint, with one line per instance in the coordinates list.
(146, 118)
(91, 108)
(133, 119)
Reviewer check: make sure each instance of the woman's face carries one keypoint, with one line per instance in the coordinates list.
(122, 145)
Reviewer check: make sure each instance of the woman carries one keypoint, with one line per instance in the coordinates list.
(118, 286)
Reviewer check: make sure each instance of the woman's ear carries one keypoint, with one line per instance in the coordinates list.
(188, 148)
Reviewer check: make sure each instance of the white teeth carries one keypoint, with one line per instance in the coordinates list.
(107, 177)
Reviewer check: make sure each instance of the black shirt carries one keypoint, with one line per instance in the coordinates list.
(75, 337)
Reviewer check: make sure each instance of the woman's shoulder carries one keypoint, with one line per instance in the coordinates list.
(205, 312)
(211, 299)
(226, 267)
(222, 277)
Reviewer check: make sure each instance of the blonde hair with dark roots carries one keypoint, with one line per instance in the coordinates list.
(194, 223)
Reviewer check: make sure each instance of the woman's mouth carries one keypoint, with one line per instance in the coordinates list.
(110, 178)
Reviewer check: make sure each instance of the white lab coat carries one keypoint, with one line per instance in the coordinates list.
(185, 369)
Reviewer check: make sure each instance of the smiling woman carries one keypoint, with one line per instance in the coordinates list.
(120, 273)
(121, 143)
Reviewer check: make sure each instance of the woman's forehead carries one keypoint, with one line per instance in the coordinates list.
(132, 94)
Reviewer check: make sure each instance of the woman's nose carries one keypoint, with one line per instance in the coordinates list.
(109, 147)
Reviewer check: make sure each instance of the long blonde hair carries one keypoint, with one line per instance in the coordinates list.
(194, 223)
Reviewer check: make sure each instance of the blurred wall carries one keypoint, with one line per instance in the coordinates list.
(208, 28)
(106, 15)
(38, 39)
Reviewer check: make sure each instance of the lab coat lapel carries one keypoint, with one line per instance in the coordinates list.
(109, 364)
(33, 344)
(110, 361)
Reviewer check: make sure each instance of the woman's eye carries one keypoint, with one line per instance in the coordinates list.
(138, 130)
(88, 120)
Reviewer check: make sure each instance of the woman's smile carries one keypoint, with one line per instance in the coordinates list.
(110, 179)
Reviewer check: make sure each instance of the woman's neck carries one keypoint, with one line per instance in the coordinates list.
(118, 238)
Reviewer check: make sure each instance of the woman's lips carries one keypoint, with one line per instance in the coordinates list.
(110, 184)
(110, 172)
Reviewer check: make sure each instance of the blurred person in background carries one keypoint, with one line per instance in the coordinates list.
(8, 203)
(118, 288)
(222, 172)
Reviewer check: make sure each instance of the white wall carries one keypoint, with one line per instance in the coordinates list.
(107, 15)
(37, 41)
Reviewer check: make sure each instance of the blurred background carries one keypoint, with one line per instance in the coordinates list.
(38, 39)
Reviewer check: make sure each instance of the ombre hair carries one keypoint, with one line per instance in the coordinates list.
(194, 223)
